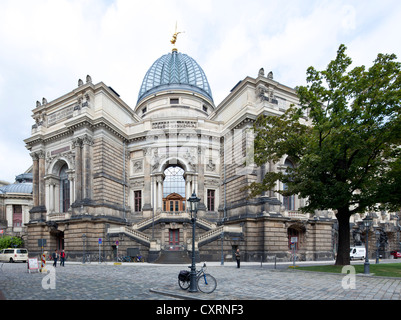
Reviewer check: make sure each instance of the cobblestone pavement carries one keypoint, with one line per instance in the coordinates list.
(142, 281)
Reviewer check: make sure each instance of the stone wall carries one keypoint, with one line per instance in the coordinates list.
(108, 173)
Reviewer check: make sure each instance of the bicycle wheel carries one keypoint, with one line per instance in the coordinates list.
(207, 283)
(184, 285)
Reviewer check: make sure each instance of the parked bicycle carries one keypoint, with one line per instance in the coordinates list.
(86, 258)
(138, 258)
(97, 258)
(124, 259)
(205, 282)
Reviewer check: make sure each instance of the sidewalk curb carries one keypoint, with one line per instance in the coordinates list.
(174, 295)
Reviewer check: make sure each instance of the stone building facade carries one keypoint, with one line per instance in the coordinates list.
(117, 178)
(15, 203)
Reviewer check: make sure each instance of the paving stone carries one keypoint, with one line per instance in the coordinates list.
(159, 282)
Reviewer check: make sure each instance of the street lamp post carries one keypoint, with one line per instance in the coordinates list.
(377, 233)
(367, 222)
(193, 200)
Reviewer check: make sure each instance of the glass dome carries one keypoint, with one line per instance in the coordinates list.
(175, 71)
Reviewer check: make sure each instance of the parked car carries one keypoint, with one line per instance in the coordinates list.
(357, 253)
(396, 254)
(14, 255)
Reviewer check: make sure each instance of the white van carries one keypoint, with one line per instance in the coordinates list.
(13, 255)
(357, 253)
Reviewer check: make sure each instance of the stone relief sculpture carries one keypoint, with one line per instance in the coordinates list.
(137, 166)
(191, 158)
(211, 166)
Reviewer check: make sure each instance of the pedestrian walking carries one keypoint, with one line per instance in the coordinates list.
(238, 258)
(55, 258)
(62, 258)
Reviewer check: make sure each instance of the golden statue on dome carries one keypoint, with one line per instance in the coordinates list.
(174, 39)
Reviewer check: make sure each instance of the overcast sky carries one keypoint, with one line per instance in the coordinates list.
(47, 45)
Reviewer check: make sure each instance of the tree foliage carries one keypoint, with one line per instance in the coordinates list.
(10, 242)
(347, 153)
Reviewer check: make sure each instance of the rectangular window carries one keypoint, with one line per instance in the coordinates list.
(138, 200)
(210, 199)
(65, 195)
(174, 101)
(17, 215)
(289, 203)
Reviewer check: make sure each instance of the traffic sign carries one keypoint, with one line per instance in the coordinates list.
(100, 240)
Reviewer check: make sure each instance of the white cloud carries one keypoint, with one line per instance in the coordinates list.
(47, 45)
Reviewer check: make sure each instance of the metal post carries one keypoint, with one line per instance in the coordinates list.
(100, 242)
(222, 251)
(366, 264)
(193, 200)
(293, 254)
(367, 221)
(377, 245)
(192, 287)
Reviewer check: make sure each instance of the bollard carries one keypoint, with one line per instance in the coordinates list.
(43, 263)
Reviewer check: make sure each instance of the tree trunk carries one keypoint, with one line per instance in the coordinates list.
(343, 216)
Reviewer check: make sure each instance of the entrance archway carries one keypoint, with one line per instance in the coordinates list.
(174, 181)
(174, 189)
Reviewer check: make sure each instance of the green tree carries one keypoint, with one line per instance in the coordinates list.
(347, 153)
(10, 242)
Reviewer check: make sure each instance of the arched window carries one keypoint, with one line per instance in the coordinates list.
(288, 202)
(64, 189)
(174, 189)
(174, 181)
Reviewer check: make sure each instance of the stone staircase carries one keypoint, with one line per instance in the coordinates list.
(168, 216)
(173, 257)
(213, 232)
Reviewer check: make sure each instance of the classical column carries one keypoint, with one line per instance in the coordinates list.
(57, 200)
(52, 204)
(159, 180)
(38, 187)
(49, 195)
(201, 179)
(72, 189)
(77, 143)
(35, 181)
(87, 168)
(188, 187)
(154, 191)
(147, 204)
(42, 186)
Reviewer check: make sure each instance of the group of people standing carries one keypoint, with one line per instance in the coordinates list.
(57, 256)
